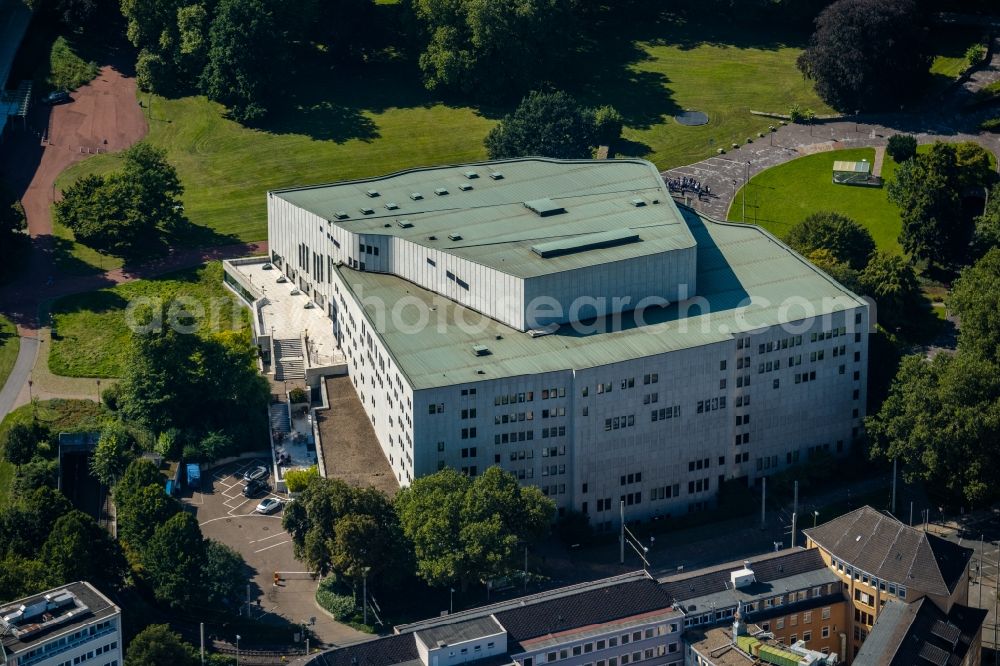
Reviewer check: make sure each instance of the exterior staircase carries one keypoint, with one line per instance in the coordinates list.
(289, 359)
(279, 418)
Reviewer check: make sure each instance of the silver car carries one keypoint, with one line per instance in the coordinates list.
(269, 505)
(255, 473)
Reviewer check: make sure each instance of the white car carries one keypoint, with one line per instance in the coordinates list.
(269, 505)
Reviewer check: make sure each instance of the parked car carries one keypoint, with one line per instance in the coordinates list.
(269, 505)
(255, 473)
(58, 97)
(254, 488)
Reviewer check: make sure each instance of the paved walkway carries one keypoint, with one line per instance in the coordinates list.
(942, 120)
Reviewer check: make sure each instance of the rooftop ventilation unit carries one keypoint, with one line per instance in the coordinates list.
(455, 237)
(372, 193)
(465, 187)
(365, 210)
(544, 330)
(404, 224)
(638, 203)
(584, 242)
(391, 205)
(471, 174)
(496, 175)
(341, 215)
(441, 191)
(544, 207)
(480, 350)
(416, 196)
(742, 577)
(432, 238)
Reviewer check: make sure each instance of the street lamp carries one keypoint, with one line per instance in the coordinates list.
(815, 517)
(98, 392)
(451, 600)
(237, 650)
(365, 593)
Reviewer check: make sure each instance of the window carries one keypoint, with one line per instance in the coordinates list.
(825, 632)
(807, 636)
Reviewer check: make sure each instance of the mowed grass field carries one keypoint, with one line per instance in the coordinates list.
(10, 345)
(90, 331)
(782, 196)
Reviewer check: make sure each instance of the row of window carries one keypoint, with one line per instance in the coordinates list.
(665, 413)
(617, 422)
(711, 405)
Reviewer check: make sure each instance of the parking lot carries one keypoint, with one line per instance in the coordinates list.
(227, 516)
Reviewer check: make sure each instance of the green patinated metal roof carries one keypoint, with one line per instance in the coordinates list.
(745, 280)
(499, 220)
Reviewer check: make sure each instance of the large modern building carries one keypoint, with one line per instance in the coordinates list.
(69, 625)
(567, 321)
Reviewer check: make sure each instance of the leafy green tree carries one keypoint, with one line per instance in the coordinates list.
(157, 645)
(868, 54)
(140, 511)
(608, 123)
(115, 449)
(312, 518)
(545, 124)
(25, 524)
(157, 184)
(926, 190)
(33, 475)
(78, 549)
(975, 298)
(902, 147)
(243, 59)
(941, 420)
(839, 271)
(371, 538)
(20, 443)
(22, 576)
(466, 530)
(847, 240)
(493, 50)
(987, 231)
(890, 280)
(224, 573)
(173, 559)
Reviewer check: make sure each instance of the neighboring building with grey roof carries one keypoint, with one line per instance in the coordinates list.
(567, 321)
(878, 559)
(921, 634)
(70, 624)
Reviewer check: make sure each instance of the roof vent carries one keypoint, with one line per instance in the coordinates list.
(341, 215)
(386, 225)
(372, 193)
(365, 210)
(416, 196)
(480, 350)
(391, 205)
(543, 330)
(496, 175)
(455, 237)
(638, 203)
(544, 207)
(441, 191)
(465, 187)
(471, 174)
(404, 224)
(742, 577)
(432, 238)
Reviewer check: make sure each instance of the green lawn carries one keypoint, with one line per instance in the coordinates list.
(949, 62)
(10, 344)
(90, 331)
(56, 415)
(783, 195)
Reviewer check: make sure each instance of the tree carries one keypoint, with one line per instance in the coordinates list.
(975, 299)
(157, 184)
(140, 511)
(173, 559)
(987, 231)
(546, 124)
(370, 539)
(243, 59)
(466, 530)
(844, 238)
(975, 170)
(901, 147)
(926, 190)
(868, 54)
(608, 125)
(20, 444)
(224, 573)
(26, 523)
(156, 645)
(115, 449)
(890, 280)
(839, 271)
(941, 421)
(22, 576)
(78, 549)
(493, 50)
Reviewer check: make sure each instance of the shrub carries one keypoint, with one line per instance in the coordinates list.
(297, 395)
(329, 596)
(299, 479)
(799, 115)
(109, 397)
(192, 453)
(901, 147)
(975, 54)
(991, 125)
(216, 445)
(169, 443)
(608, 124)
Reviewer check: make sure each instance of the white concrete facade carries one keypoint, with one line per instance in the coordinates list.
(659, 431)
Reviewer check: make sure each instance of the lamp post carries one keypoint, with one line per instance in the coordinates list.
(98, 392)
(451, 600)
(815, 517)
(237, 650)
(365, 593)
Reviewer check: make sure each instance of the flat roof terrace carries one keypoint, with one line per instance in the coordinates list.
(496, 221)
(746, 280)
